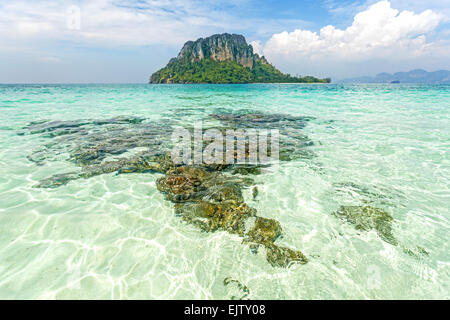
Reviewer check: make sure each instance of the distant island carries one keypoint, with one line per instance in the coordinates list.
(223, 58)
(413, 76)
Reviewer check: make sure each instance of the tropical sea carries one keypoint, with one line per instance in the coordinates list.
(115, 236)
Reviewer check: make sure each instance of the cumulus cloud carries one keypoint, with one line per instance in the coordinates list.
(376, 32)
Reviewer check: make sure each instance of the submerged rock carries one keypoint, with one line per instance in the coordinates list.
(208, 196)
(57, 180)
(237, 286)
(54, 125)
(265, 231)
(68, 127)
(293, 143)
(213, 202)
(366, 218)
(284, 257)
(252, 119)
(212, 217)
(416, 252)
(368, 194)
(246, 170)
(183, 183)
(254, 192)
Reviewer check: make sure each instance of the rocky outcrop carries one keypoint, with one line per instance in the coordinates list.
(223, 58)
(221, 47)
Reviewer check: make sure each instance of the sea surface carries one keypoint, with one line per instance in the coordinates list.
(115, 236)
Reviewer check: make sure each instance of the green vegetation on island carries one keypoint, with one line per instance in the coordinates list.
(209, 71)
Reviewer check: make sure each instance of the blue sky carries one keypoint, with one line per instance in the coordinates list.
(81, 41)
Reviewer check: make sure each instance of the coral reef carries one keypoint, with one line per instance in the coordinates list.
(208, 196)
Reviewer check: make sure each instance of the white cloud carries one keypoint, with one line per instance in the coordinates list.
(110, 22)
(377, 32)
(128, 22)
(257, 47)
(29, 28)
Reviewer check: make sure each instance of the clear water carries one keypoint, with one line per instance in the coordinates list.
(115, 237)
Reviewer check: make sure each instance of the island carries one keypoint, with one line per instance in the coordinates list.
(223, 58)
(413, 76)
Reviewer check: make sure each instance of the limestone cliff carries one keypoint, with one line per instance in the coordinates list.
(221, 47)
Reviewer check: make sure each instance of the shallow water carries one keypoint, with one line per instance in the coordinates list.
(116, 237)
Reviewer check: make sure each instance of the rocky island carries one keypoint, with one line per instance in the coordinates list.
(223, 58)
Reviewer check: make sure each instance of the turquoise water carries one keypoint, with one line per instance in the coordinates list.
(116, 237)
